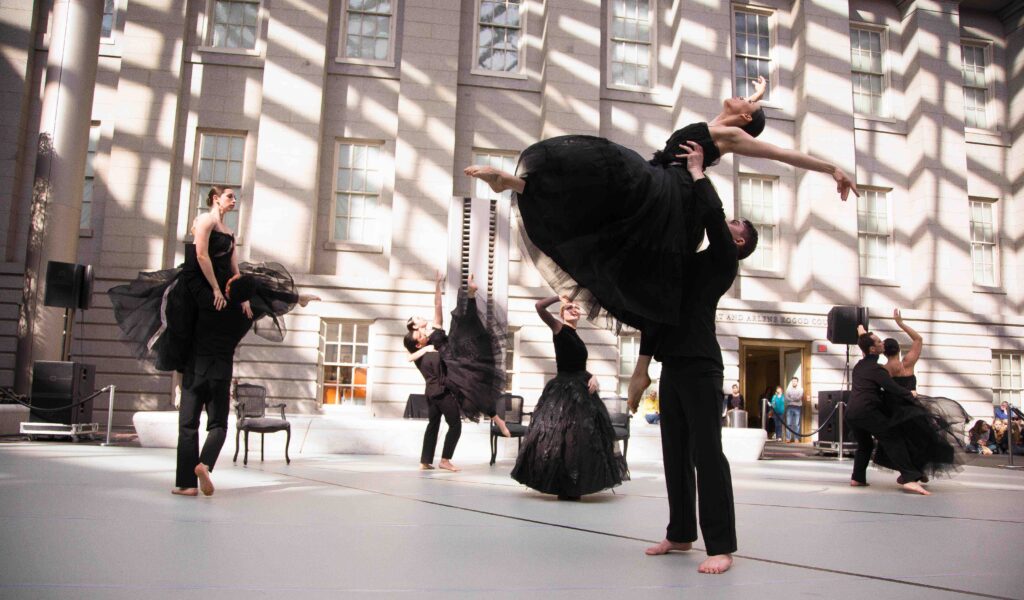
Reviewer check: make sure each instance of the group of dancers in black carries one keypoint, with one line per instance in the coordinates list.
(616, 236)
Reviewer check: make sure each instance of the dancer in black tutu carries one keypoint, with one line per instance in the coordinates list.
(612, 230)
(185, 320)
(902, 367)
(570, 448)
(918, 437)
(463, 370)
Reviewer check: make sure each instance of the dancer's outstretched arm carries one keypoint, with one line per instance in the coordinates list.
(542, 310)
(438, 311)
(759, 88)
(916, 341)
(737, 141)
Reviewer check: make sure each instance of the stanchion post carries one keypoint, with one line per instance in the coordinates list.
(110, 413)
(840, 426)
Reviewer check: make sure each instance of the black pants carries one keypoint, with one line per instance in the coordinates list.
(865, 427)
(691, 443)
(448, 406)
(214, 395)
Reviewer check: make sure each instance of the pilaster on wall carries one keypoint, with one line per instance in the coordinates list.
(284, 203)
(939, 238)
(571, 79)
(823, 128)
(16, 49)
(425, 143)
(1012, 233)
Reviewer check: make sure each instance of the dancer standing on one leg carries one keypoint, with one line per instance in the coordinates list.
(570, 449)
(691, 389)
(463, 371)
(612, 230)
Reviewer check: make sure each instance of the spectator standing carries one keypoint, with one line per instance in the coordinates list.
(794, 409)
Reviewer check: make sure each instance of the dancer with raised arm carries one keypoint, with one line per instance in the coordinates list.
(614, 231)
(570, 448)
(463, 370)
(902, 367)
(691, 387)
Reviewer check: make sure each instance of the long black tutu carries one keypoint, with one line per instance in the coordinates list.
(608, 228)
(933, 429)
(570, 448)
(157, 311)
(474, 359)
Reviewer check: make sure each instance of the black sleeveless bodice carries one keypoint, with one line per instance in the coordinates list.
(694, 132)
(909, 381)
(570, 351)
(221, 247)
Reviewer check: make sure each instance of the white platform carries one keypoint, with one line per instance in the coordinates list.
(359, 434)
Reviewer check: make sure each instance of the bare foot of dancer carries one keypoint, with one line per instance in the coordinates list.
(665, 546)
(915, 488)
(448, 466)
(859, 483)
(499, 181)
(205, 483)
(715, 565)
(426, 467)
(305, 299)
(501, 426)
(185, 492)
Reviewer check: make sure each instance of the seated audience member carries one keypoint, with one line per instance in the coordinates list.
(981, 439)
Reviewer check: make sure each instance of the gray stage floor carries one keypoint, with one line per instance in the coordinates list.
(84, 521)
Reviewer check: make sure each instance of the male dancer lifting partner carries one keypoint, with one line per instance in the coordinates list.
(691, 387)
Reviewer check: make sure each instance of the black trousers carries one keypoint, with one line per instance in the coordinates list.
(691, 444)
(865, 427)
(215, 396)
(447, 406)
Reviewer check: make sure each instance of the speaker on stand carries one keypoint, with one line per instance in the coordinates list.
(68, 286)
(842, 329)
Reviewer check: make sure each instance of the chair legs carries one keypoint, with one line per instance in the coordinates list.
(235, 459)
(494, 448)
(625, 447)
(287, 442)
(245, 457)
(262, 444)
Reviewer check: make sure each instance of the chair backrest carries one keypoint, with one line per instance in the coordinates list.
(616, 405)
(253, 399)
(510, 406)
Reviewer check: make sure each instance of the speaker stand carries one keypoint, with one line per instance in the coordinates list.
(69, 323)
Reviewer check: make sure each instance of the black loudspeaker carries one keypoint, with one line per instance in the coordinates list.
(63, 284)
(85, 290)
(843, 321)
(830, 432)
(57, 384)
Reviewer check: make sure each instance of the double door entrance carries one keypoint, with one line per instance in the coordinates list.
(766, 364)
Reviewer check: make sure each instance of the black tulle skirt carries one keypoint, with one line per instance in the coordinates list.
(474, 359)
(157, 311)
(570, 448)
(607, 228)
(933, 430)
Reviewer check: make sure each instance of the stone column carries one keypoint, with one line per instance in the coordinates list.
(824, 128)
(284, 203)
(571, 81)
(937, 183)
(425, 142)
(59, 175)
(1012, 225)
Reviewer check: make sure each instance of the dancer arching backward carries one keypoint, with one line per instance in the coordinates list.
(463, 371)
(570, 449)
(930, 429)
(183, 320)
(614, 231)
(691, 388)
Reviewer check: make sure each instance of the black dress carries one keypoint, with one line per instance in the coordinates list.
(157, 313)
(570, 448)
(473, 356)
(931, 427)
(609, 228)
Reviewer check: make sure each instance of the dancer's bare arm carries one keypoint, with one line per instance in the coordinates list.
(759, 87)
(419, 353)
(916, 341)
(547, 317)
(639, 381)
(737, 141)
(201, 229)
(438, 311)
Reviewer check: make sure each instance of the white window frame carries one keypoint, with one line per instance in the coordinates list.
(890, 236)
(389, 60)
(114, 9)
(200, 187)
(210, 24)
(652, 51)
(986, 48)
(95, 133)
(512, 359)
(322, 363)
(992, 205)
(520, 72)
(772, 67)
(885, 102)
(379, 218)
(1004, 389)
(760, 225)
